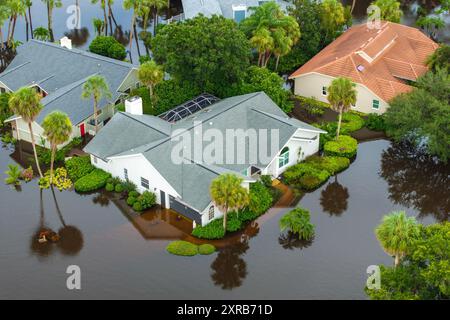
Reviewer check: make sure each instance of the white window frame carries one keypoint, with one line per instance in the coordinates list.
(145, 183)
(373, 103)
(237, 8)
(211, 211)
(324, 89)
(283, 159)
(125, 173)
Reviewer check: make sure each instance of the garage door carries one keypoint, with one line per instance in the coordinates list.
(185, 210)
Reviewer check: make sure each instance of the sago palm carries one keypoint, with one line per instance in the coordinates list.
(96, 88)
(57, 129)
(228, 194)
(341, 96)
(13, 175)
(26, 104)
(397, 233)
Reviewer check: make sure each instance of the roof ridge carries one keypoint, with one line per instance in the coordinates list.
(273, 116)
(14, 68)
(85, 53)
(142, 122)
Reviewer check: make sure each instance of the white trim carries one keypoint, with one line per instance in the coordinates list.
(6, 87)
(126, 77)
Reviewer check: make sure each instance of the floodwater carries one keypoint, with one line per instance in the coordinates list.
(122, 255)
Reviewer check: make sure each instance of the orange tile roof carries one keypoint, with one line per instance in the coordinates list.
(381, 59)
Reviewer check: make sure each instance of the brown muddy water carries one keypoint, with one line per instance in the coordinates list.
(123, 256)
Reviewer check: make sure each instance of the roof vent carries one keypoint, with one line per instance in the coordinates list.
(66, 43)
(360, 68)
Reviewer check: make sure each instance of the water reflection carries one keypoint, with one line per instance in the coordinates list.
(289, 240)
(417, 180)
(41, 249)
(101, 199)
(334, 198)
(79, 37)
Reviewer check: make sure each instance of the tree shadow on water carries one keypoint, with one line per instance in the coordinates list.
(334, 198)
(291, 241)
(417, 180)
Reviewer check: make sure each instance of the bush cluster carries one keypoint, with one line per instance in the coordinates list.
(375, 122)
(185, 248)
(78, 167)
(344, 146)
(60, 180)
(95, 180)
(140, 202)
(351, 122)
(312, 105)
(45, 154)
(108, 46)
(298, 222)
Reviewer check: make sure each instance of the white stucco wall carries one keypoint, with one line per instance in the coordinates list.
(306, 148)
(310, 85)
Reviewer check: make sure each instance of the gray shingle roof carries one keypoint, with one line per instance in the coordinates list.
(152, 137)
(61, 73)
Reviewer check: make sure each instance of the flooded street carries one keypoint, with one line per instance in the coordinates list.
(123, 256)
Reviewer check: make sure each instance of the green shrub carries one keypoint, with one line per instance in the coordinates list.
(310, 182)
(147, 199)
(344, 146)
(131, 201)
(312, 105)
(114, 180)
(260, 198)
(108, 46)
(306, 175)
(172, 93)
(206, 249)
(213, 230)
(109, 187)
(351, 122)
(133, 194)
(375, 122)
(118, 188)
(266, 180)
(13, 174)
(182, 248)
(298, 222)
(129, 186)
(93, 181)
(137, 206)
(233, 222)
(331, 164)
(78, 167)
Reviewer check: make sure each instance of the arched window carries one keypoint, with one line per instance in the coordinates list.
(211, 213)
(284, 157)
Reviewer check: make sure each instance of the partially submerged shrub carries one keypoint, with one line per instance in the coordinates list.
(331, 164)
(78, 167)
(13, 175)
(344, 146)
(306, 175)
(298, 222)
(109, 187)
(93, 181)
(60, 180)
(131, 201)
(118, 188)
(260, 198)
(182, 248)
(206, 249)
(137, 206)
(213, 230)
(27, 174)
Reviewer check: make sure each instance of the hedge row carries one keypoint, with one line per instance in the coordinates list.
(185, 248)
(78, 167)
(344, 146)
(93, 181)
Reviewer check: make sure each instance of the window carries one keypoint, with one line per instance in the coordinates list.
(375, 104)
(239, 13)
(324, 91)
(284, 157)
(125, 174)
(2, 90)
(211, 213)
(144, 183)
(244, 172)
(137, 85)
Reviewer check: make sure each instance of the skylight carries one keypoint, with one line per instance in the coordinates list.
(190, 107)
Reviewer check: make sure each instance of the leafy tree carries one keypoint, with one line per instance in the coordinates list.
(211, 52)
(396, 234)
(57, 129)
(341, 96)
(333, 17)
(136, 6)
(26, 104)
(109, 47)
(4, 15)
(271, 32)
(228, 194)
(440, 58)
(150, 74)
(97, 88)
(431, 25)
(262, 79)
(298, 222)
(157, 5)
(5, 112)
(420, 117)
(41, 33)
(51, 4)
(436, 83)
(16, 8)
(99, 26)
(105, 21)
(389, 10)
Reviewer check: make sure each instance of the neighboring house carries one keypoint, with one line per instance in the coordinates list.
(237, 10)
(59, 73)
(141, 148)
(382, 62)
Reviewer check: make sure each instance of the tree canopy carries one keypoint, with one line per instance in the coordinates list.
(109, 47)
(389, 10)
(211, 52)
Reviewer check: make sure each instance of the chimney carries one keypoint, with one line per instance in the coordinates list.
(133, 105)
(66, 43)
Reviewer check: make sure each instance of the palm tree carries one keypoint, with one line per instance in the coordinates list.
(25, 103)
(341, 96)
(389, 10)
(17, 8)
(396, 234)
(58, 129)
(228, 194)
(28, 4)
(4, 15)
(150, 74)
(41, 33)
(99, 25)
(105, 17)
(134, 5)
(157, 6)
(51, 4)
(263, 42)
(97, 88)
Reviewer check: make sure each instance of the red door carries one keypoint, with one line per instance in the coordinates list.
(82, 130)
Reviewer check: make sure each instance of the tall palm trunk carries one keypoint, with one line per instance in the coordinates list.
(339, 124)
(31, 21)
(52, 160)
(106, 20)
(77, 4)
(95, 115)
(2, 45)
(277, 62)
(397, 260)
(9, 29)
(133, 21)
(111, 17)
(13, 29)
(155, 21)
(225, 217)
(26, 26)
(33, 143)
(50, 22)
(137, 40)
(353, 6)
